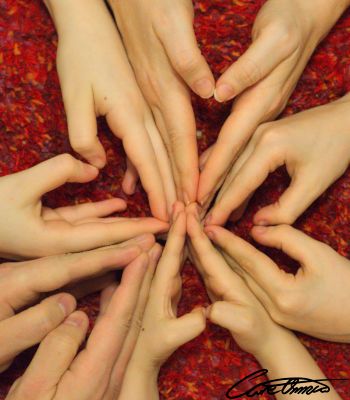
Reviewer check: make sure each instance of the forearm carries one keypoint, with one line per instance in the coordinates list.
(140, 382)
(289, 358)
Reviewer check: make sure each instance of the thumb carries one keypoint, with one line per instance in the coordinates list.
(186, 57)
(55, 172)
(291, 241)
(187, 327)
(263, 56)
(82, 127)
(293, 202)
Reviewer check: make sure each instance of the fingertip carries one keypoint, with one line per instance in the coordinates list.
(224, 92)
(77, 319)
(204, 88)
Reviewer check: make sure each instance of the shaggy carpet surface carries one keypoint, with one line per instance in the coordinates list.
(33, 128)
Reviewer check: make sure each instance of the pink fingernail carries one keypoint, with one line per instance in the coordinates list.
(75, 320)
(262, 223)
(204, 88)
(208, 220)
(67, 303)
(210, 235)
(224, 92)
(260, 229)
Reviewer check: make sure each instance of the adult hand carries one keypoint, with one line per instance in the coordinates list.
(315, 147)
(312, 301)
(237, 309)
(285, 34)
(30, 230)
(23, 284)
(58, 372)
(97, 80)
(162, 48)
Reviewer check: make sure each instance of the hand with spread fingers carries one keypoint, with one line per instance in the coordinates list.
(97, 370)
(29, 230)
(162, 48)
(162, 331)
(23, 323)
(312, 301)
(314, 146)
(97, 80)
(235, 308)
(285, 35)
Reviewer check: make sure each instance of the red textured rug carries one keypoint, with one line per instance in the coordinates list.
(33, 128)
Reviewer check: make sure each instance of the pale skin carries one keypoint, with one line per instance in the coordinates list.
(97, 80)
(23, 323)
(162, 48)
(314, 145)
(312, 301)
(30, 230)
(108, 348)
(162, 331)
(288, 32)
(235, 308)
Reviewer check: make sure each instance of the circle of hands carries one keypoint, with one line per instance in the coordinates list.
(71, 251)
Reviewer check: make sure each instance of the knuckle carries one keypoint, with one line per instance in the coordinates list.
(66, 161)
(285, 217)
(82, 143)
(60, 339)
(249, 73)
(126, 321)
(288, 36)
(187, 61)
(287, 303)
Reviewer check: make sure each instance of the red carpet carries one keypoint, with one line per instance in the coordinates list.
(33, 128)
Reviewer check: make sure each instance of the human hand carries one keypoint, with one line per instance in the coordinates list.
(97, 80)
(309, 301)
(315, 147)
(23, 284)
(162, 331)
(162, 48)
(252, 327)
(284, 35)
(30, 230)
(69, 375)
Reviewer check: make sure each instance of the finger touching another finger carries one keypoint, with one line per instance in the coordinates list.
(29, 327)
(63, 342)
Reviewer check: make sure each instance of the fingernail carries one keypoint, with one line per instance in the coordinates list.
(75, 320)
(262, 223)
(141, 239)
(98, 162)
(187, 199)
(260, 229)
(210, 235)
(208, 220)
(204, 88)
(224, 92)
(203, 200)
(67, 303)
(155, 253)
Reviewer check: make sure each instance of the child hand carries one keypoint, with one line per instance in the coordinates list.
(162, 331)
(285, 34)
(315, 147)
(30, 230)
(163, 50)
(97, 80)
(59, 371)
(309, 301)
(23, 284)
